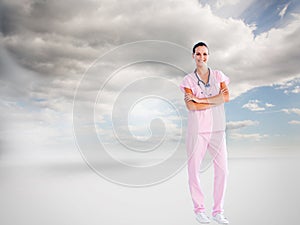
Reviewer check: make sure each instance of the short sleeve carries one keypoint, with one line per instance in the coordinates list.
(221, 77)
(186, 83)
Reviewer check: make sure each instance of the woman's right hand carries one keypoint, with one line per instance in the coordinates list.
(190, 97)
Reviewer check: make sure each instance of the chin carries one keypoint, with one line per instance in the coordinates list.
(202, 64)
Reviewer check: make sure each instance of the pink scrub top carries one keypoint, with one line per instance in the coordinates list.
(206, 120)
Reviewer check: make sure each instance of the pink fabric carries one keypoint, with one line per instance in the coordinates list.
(206, 131)
(208, 120)
(197, 146)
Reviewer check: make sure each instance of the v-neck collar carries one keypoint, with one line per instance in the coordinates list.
(199, 80)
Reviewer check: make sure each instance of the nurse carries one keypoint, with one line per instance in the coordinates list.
(205, 94)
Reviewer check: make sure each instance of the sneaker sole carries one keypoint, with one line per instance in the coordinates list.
(219, 222)
(203, 222)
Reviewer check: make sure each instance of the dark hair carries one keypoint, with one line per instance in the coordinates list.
(200, 44)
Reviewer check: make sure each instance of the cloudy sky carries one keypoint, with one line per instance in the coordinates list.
(50, 49)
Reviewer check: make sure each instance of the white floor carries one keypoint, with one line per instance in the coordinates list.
(64, 191)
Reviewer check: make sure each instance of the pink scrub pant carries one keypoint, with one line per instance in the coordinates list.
(197, 146)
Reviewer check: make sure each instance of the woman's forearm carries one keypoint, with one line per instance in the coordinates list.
(214, 100)
(195, 103)
(192, 106)
(222, 97)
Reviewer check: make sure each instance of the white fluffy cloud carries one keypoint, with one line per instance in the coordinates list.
(228, 8)
(282, 12)
(292, 110)
(232, 125)
(234, 130)
(289, 87)
(253, 105)
(295, 90)
(51, 43)
(295, 122)
(60, 38)
(256, 105)
(254, 136)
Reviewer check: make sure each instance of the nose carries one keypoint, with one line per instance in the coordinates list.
(200, 57)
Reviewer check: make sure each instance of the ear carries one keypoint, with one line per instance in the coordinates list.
(193, 55)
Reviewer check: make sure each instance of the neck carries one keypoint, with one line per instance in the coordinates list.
(202, 71)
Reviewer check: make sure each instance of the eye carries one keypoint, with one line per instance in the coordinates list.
(205, 54)
(197, 53)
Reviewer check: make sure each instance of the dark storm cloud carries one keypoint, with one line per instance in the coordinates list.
(62, 38)
(38, 35)
(46, 46)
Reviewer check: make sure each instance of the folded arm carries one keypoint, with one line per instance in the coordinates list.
(194, 103)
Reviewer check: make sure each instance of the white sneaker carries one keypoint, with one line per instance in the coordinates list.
(202, 218)
(220, 218)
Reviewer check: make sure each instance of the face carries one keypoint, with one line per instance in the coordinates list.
(201, 56)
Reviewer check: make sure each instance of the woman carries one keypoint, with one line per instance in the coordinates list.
(205, 93)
